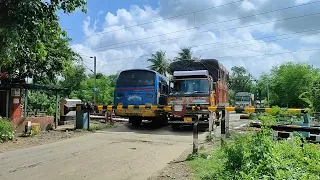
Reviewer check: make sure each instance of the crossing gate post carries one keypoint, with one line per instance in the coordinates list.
(227, 116)
(210, 124)
(195, 136)
(223, 126)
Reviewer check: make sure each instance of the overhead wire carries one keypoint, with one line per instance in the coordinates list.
(163, 19)
(220, 45)
(229, 20)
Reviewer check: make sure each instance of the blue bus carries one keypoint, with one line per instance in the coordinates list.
(141, 87)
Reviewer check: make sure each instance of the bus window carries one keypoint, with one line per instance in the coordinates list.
(133, 78)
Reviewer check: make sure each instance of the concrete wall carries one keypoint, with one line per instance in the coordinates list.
(46, 123)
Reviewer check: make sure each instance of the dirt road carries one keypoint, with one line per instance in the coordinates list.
(120, 153)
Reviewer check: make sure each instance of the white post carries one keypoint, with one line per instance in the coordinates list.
(210, 123)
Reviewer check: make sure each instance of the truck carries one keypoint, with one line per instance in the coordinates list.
(243, 99)
(200, 83)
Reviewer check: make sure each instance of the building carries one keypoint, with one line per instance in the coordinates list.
(13, 103)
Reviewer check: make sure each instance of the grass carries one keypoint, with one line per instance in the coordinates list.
(257, 156)
(97, 127)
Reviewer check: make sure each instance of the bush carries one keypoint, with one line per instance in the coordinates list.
(6, 130)
(257, 156)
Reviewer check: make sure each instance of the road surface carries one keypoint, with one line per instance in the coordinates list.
(120, 153)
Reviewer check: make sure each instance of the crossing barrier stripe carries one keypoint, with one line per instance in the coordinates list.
(195, 108)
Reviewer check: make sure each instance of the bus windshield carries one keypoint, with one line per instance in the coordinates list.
(191, 86)
(136, 78)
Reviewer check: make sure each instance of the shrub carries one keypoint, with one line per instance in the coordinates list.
(6, 130)
(257, 156)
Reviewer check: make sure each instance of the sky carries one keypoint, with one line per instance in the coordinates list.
(256, 34)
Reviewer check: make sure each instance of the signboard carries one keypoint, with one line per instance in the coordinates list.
(15, 92)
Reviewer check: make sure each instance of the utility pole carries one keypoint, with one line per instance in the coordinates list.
(95, 78)
(268, 90)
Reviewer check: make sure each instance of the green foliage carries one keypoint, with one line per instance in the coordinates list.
(231, 97)
(159, 63)
(73, 76)
(289, 81)
(6, 130)
(32, 41)
(240, 79)
(105, 88)
(43, 100)
(257, 156)
(185, 53)
(312, 96)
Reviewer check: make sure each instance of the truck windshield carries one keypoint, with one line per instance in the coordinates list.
(191, 86)
(242, 98)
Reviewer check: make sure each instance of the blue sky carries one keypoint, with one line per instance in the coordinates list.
(103, 32)
(97, 9)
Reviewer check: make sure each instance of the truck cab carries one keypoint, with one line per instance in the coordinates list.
(190, 88)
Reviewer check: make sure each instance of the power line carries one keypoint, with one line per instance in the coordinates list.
(230, 43)
(229, 20)
(267, 22)
(163, 19)
(238, 56)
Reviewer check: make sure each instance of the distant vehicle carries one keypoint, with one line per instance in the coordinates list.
(243, 99)
(141, 87)
(196, 82)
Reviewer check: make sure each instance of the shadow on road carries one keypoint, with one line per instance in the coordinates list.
(149, 128)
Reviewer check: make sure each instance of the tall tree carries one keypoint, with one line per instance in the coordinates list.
(185, 53)
(240, 79)
(32, 43)
(105, 89)
(288, 81)
(159, 63)
(72, 78)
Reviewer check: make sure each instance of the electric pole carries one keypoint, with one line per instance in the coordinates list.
(95, 78)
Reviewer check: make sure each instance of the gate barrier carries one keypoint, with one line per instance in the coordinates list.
(224, 123)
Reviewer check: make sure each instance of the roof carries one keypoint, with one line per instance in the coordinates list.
(164, 77)
(32, 86)
(216, 69)
(243, 94)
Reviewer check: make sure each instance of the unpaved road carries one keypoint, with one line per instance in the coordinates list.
(120, 153)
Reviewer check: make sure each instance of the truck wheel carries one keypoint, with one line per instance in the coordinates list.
(175, 126)
(160, 121)
(135, 121)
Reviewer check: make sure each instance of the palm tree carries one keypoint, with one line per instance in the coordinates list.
(159, 62)
(185, 53)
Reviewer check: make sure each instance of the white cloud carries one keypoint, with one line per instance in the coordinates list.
(120, 46)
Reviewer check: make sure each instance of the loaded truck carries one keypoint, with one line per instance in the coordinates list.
(200, 83)
(243, 99)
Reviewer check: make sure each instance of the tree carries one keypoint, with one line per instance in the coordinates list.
(289, 81)
(185, 53)
(32, 43)
(105, 89)
(72, 78)
(240, 79)
(159, 62)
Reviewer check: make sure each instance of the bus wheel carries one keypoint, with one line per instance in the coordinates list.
(136, 121)
(175, 126)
